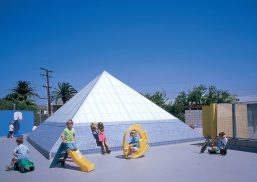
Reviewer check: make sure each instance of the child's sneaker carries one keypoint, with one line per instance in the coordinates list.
(103, 152)
(63, 163)
(8, 168)
(108, 151)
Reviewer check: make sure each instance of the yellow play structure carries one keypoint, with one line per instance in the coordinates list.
(84, 164)
(143, 146)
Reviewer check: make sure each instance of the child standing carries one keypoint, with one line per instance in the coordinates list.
(134, 142)
(103, 139)
(20, 152)
(68, 138)
(95, 132)
(11, 130)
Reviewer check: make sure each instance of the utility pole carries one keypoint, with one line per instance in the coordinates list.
(47, 86)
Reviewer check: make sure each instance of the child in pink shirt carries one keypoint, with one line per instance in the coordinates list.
(102, 139)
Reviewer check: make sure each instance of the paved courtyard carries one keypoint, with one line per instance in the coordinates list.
(177, 162)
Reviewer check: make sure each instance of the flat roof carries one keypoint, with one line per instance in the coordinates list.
(252, 99)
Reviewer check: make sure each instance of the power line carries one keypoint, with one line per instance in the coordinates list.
(47, 86)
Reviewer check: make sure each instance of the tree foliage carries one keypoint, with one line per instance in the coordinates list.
(21, 95)
(197, 97)
(159, 98)
(23, 91)
(65, 91)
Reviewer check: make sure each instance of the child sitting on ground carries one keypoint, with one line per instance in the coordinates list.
(134, 142)
(221, 143)
(103, 139)
(68, 138)
(20, 152)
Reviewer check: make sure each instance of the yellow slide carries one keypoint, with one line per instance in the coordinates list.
(84, 164)
(143, 146)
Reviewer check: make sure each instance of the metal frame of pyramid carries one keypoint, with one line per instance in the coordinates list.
(107, 99)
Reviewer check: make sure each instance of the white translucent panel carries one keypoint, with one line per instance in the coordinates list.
(133, 117)
(90, 118)
(116, 99)
(107, 109)
(169, 116)
(109, 89)
(100, 108)
(87, 109)
(135, 109)
(123, 98)
(107, 99)
(135, 99)
(123, 117)
(105, 117)
(130, 99)
(128, 108)
(110, 108)
(121, 108)
(153, 109)
(96, 90)
(144, 117)
(149, 108)
(94, 108)
(114, 108)
(120, 117)
(96, 98)
(159, 109)
(139, 115)
(157, 116)
(150, 115)
(78, 119)
(89, 99)
(113, 117)
(144, 108)
(83, 118)
(98, 117)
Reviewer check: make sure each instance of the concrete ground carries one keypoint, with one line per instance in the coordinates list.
(178, 162)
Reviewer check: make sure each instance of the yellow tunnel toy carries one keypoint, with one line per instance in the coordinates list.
(143, 146)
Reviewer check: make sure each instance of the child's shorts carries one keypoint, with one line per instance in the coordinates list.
(71, 146)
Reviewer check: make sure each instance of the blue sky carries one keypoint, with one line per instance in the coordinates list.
(149, 45)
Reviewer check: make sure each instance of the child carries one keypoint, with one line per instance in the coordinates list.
(95, 132)
(102, 139)
(68, 138)
(222, 141)
(134, 142)
(11, 129)
(20, 152)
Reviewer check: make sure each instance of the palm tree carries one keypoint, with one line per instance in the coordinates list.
(11, 97)
(23, 91)
(65, 91)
